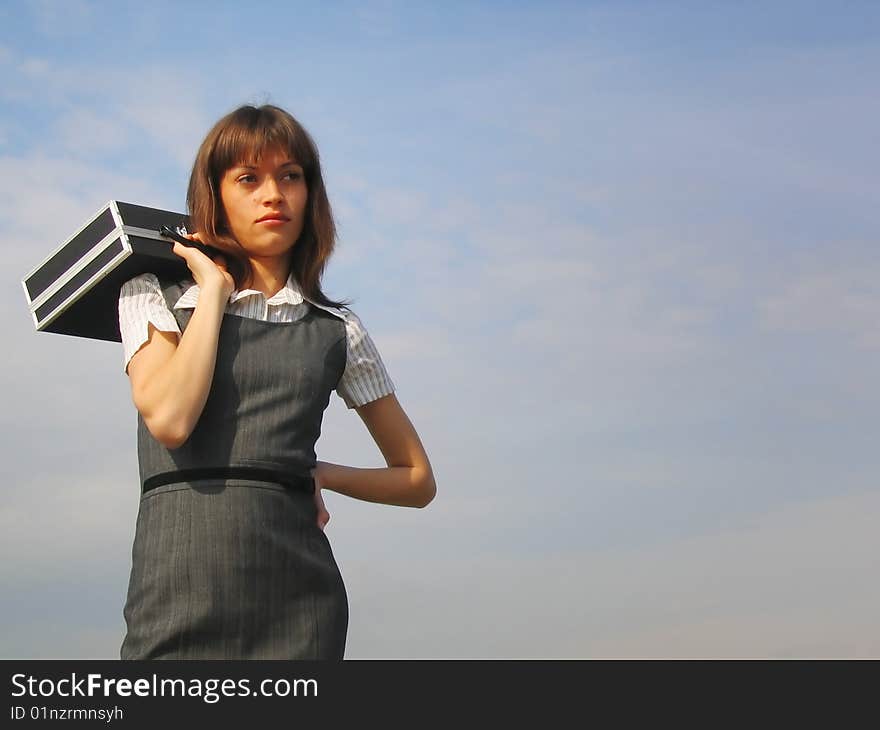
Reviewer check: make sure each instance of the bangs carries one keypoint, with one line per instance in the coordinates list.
(249, 133)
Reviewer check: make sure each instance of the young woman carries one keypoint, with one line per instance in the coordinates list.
(231, 372)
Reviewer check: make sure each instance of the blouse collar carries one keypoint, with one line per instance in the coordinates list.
(290, 293)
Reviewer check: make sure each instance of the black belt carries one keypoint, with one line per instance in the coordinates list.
(291, 481)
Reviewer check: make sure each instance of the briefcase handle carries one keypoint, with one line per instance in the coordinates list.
(168, 232)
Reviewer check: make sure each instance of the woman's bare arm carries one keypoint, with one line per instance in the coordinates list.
(407, 481)
(171, 379)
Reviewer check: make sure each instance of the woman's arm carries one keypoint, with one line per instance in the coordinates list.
(170, 380)
(407, 481)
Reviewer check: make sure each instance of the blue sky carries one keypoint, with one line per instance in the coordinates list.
(619, 258)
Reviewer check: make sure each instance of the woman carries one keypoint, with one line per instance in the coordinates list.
(230, 373)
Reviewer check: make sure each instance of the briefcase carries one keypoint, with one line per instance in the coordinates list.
(75, 290)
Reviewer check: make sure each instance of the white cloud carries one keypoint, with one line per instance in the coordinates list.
(789, 584)
(167, 105)
(84, 132)
(103, 107)
(395, 206)
(63, 19)
(834, 300)
(88, 638)
(36, 68)
(90, 521)
(428, 345)
(376, 19)
(45, 200)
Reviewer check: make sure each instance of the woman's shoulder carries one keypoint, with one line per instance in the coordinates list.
(151, 293)
(140, 284)
(355, 330)
(150, 280)
(151, 283)
(342, 312)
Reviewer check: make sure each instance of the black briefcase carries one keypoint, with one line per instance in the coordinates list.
(75, 291)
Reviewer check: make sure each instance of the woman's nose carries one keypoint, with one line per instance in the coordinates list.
(270, 192)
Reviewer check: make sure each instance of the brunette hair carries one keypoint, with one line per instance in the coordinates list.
(243, 135)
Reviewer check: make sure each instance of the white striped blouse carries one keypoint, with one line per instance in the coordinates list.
(141, 302)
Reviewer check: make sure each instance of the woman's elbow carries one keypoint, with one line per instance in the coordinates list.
(175, 441)
(427, 491)
(170, 434)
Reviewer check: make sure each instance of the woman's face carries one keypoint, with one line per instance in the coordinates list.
(265, 204)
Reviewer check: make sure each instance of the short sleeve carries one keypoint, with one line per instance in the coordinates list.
(141, 303)
(365, 378)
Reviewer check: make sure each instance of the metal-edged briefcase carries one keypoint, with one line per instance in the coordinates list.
(75, 290)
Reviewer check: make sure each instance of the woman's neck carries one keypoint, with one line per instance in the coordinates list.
(268, 277)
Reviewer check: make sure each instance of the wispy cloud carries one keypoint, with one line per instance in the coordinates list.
(842, 301)
(57, 20)
(782, 586)
(101, 108)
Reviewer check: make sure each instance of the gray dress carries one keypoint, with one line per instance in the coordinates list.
(228, 561)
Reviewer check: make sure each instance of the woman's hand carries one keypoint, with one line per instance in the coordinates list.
(323, 514)
(208, 274)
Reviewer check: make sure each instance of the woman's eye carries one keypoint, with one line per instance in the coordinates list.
(293, 175)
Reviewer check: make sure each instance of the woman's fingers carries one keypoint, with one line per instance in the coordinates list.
(323, 514)
(205, 271)
(187, 253)
(180, 249)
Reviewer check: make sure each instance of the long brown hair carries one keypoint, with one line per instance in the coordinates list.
(243, 135)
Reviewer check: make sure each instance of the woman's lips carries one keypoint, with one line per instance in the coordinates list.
(273, 221)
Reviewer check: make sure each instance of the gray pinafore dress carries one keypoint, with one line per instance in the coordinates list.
(228, 561)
